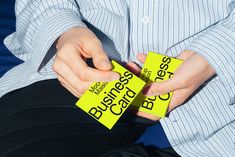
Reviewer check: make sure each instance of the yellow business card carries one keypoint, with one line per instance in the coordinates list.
(107, 101)
(157, 68)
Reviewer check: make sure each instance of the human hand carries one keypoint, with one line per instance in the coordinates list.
(74, 47)
(193, 72)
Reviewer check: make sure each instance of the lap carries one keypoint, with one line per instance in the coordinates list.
(141, 151)
(45, 114)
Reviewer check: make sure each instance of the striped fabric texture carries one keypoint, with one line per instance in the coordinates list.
(205, 125)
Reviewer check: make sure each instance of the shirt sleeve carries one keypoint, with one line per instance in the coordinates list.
(40, 22)
(217, 46)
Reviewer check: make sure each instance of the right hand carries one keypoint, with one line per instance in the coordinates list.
(73, 48)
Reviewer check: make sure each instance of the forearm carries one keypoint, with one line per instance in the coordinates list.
(217, 46)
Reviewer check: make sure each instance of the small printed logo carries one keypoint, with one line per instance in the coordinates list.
(98, 87)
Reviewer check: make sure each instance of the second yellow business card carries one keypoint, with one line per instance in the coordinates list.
(156, 68)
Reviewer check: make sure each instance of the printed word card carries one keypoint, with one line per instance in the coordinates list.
(107, 101)
(156, 68)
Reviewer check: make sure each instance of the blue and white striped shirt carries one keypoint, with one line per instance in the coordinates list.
(205, 125)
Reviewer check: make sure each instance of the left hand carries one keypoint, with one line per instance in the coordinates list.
(192, 73)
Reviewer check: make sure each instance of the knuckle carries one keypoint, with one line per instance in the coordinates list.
(68, 46)
(79, 95)
(156, 88)
(93, 42)
(63, 51)
(82, 75)
(64, 85)
(81, 89)
(61, 54)
(153, 90)
(159, 89)
(55, 67)
(61, 80)
(183, 82)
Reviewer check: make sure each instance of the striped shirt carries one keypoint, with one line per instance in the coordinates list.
(205, 125)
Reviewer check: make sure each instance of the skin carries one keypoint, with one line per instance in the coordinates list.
(77, 45)
(74, 47)
(194, 71)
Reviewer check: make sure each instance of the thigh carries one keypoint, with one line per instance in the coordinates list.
(43, 116)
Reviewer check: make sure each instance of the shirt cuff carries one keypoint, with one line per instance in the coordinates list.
(217, 46)
(48, 33)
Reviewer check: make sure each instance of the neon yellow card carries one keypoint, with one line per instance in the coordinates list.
(157, 68)
(106, 102)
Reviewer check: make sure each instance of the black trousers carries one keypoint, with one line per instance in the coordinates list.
(41, 120)
(141, 151)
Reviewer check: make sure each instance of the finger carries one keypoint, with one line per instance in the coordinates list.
(74, 61)
(95, 75)
(84, 86)
(68, 87)
(174, 102)
(179, 97)
(141, 57)
(70, 77)
(160, 88)
(144, 115)
(134, 68)
(99, 57)
(71, 90)
(71, 57)
(185, 55)
(65, 84)
(148, 116)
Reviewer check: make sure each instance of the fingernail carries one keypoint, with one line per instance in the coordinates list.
(115, 77)
(105, 64)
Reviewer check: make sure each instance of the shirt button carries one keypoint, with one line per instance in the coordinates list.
(145, 19)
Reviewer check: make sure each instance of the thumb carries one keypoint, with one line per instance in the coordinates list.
(134, 68)
(160, 88)
(185, 55)
(141, 57)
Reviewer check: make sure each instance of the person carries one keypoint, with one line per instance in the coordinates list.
(34, 125)
(55, 38)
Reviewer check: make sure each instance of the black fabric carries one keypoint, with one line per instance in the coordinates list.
(41, 120)
(141, 151)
